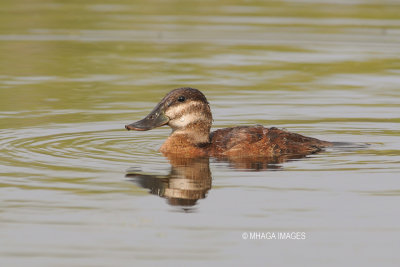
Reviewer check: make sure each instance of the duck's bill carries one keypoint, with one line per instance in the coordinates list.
(156, 118)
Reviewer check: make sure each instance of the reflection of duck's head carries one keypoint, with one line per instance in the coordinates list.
(185, 110)
(188, 181)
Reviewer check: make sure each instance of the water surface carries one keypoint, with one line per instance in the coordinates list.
(73, 74)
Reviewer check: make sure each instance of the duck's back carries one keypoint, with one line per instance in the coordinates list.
(250, 141)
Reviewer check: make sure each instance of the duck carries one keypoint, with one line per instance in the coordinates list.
(188, 113)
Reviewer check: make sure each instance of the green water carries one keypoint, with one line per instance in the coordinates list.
(73, 73)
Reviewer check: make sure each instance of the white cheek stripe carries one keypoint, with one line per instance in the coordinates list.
(186, 119)
(175, 111)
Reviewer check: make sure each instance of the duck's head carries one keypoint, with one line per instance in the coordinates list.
(185, 110)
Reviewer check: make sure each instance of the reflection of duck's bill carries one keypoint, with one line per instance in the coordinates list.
(156, 118)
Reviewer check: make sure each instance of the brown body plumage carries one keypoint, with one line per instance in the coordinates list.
(187, 112)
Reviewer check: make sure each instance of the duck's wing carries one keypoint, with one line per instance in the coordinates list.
(292, 143)
(261, 141)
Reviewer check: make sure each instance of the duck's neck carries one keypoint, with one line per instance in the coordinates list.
(196, 133)
(190, 128)
(188, 142)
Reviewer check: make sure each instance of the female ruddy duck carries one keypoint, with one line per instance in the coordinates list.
(187, 112)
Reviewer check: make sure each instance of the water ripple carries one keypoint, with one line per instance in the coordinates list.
(76, 147)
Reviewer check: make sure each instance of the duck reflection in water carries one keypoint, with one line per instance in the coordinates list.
(188, 181)
(191, 144)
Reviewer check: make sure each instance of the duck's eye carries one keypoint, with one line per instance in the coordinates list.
(181, 98)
